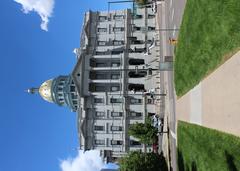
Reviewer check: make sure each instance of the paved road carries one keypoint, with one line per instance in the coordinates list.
(171, 13)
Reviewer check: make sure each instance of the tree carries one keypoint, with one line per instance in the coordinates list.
(141, 2)
(138, 161)
(145, 132)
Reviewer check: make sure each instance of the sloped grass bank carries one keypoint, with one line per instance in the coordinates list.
(205, 149)
(209, 34)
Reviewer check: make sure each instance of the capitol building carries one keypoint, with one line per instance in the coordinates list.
(106, 87)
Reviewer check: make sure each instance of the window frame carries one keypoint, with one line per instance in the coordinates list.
(136, 114)
(118, 29)
(98, 100)
(96, 128)
(116, 114)
(101, 30)
(114, 128)
(102, 43)
(118, 17)
(100, 114)
(118, 42)
(115, 76)
(115, 88)
(116, 142)
(116, 100)
(102, 18)
(99, 142)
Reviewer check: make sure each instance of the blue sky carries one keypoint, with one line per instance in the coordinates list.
(36, 135)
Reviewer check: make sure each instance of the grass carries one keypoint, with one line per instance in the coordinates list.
(203, 149)
(209, 34)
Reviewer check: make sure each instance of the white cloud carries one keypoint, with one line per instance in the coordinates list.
(44, 8)
(84, 161)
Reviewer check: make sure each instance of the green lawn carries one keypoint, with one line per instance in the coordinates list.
(210, 32)
(204, 149)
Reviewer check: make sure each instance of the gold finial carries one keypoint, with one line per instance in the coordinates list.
(32, 90)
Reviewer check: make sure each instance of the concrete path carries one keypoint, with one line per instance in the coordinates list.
(215, 102)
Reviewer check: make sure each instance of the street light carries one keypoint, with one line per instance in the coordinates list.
(146, 94)
(127, 69)
(168, 29)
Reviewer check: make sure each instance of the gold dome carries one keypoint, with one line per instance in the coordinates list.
(45, 90)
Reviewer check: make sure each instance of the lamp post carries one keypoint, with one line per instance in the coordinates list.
(126, 69)
(168, 29)
(147, 94)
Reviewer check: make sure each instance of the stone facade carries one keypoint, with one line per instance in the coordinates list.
(110, 77)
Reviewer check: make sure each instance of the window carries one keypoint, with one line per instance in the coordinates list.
(135, 61)
(134, 143)
(151, 16)
(102, 18)
(139, 50)
(102, 52)
(135, 28)
(118, 17)
(99, 142)
(115, 64)
(100, 88)
(115, 76)
(137, 42)
(137, 16)
(72, 88)
(101, 30)
(75, 102)
(150, 101)
(135, 114)
(132, 38)
(60, 88)
(116, 52)
(151, 28)
(99, 64)
(150, 41)
(115, 88)
(118, 29)
(116, 114)
(98, 100)
(102, 43)
(116, 142)
(136, 101)
(98, 128)
(99, 114)
(116, 128)
(118, 42)
(74, 96)
(100, 76)
(116, 100)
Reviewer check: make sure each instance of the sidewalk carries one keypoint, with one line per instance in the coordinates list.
(163, 107)
(165, 139)
(215, 102)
